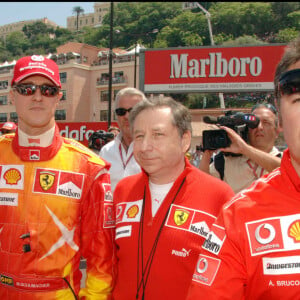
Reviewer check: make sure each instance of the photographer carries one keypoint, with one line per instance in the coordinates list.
(258, 157)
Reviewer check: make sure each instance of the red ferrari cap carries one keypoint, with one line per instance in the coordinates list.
(9, 126)
(36, 65)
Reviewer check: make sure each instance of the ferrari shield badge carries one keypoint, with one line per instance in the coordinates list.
(180, 216)
(46, 180)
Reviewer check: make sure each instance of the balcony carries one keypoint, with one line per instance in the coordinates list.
(115, 80)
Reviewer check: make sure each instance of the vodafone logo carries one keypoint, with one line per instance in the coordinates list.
(265, 233)
(77, 134)
(202, 265)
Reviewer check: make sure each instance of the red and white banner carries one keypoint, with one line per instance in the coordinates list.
(207, 69)
(81, 131)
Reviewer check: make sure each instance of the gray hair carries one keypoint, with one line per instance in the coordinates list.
(128, 91)
(181, 116)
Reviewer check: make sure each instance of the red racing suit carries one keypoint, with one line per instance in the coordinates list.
(55, 206)
(165, 247)
(253, 249)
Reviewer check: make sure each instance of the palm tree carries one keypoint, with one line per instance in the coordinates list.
(78, 10)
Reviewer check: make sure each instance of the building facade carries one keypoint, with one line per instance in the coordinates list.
(89, 19)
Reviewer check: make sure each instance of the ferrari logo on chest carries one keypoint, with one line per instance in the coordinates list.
(181, 216)
(46, 180)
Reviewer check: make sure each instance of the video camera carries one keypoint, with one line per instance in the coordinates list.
(238, 121)
(99, 138)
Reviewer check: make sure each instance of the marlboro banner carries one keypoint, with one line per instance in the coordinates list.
(207, 69)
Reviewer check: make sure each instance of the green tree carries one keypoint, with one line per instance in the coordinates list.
(77, 10)
(17, 43)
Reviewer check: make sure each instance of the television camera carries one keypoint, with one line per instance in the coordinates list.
(238, 121)
(99, 138)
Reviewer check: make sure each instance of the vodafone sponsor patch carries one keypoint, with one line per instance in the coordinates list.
(206, 269)
(274, 234)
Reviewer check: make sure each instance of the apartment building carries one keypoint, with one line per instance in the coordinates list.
(89, 19)
(84, 75)
(18, 26)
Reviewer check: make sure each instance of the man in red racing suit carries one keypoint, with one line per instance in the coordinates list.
(252, 251)
(55, 201)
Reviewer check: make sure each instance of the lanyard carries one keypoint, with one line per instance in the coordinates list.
(121, 155)
(141, 283)
(254, 168)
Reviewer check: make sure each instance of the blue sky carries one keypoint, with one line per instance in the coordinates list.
(57, 12)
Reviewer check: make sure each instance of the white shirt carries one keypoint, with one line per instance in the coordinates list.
(158, 194)
(240, 172)
(122, 164)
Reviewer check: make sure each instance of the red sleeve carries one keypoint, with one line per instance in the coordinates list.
(97, 240)
(220, 270)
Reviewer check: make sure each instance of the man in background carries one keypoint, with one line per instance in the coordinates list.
(119, 152)
(8, 127)
(258, 157)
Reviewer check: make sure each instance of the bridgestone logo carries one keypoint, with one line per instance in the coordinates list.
(8, 199)
(283, 266)
(5, 199)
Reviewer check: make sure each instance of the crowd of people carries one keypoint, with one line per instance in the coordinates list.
(149, 223)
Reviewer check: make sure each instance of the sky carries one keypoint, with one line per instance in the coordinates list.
(57, 12)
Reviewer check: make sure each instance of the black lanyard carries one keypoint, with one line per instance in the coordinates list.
(141, 284)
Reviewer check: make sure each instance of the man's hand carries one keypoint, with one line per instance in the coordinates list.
(238, 145)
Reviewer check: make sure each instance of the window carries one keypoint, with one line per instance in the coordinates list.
(92, 20)
(63, 77)
(104, 96)
(3, 100)
(60, 114)
(64, 96)
(3, 85)
(14, 117)
(103, 115)
(3, 117)
(86, 21)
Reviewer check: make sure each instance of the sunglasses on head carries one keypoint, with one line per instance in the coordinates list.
(29, 89)
(289, 82)
(122, 111)
(270, 106)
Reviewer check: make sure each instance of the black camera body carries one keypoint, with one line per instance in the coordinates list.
(238, 121)
(99, 138)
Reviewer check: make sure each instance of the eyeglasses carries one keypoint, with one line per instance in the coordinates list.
(269, 106)
(122, 111)
(289, 82)
(29, 89)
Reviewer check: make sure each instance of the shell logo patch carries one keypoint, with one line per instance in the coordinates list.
(128, 212)
(132, 211)
(294, 231)
(12, 176)
(181, 216)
